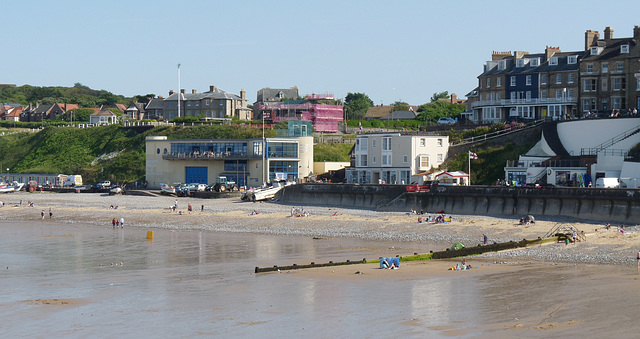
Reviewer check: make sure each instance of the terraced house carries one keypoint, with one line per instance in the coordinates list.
(215, 104)
(603, 77)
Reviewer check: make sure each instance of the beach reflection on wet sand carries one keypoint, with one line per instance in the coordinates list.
(87, 280)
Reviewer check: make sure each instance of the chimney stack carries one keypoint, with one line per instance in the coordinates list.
(608, 33)
(212, 88)
(636, 33)
(182, 90)
(590, 38)
(549, 51)
(171, 92)
(193, 91)
(243, 94)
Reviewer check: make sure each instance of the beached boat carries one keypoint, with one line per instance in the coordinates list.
(267, 193)
(10, 187)
(167, 189)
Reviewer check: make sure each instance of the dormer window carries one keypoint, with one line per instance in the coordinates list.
(502, 64)
(572, 59)
(520, 63)
(553, 61)
(624, 49)
(280, 95)
(595, 50)
(535, 62)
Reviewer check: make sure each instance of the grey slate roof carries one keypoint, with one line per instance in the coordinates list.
(155, 103)
(215, 94)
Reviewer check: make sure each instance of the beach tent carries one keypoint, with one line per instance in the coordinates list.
(457, 246)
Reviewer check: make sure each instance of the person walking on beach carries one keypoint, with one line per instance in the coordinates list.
(484, 239)
(20, 201)
(50, 213)
(202, 208)
(42, 214)
(190, 208)
(113, 222)
(121, 222)
(638, 258)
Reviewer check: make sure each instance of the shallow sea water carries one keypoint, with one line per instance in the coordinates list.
(195, 283)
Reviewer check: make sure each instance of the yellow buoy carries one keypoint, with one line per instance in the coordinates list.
(149, 235)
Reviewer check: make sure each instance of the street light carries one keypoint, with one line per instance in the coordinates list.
(264, 150)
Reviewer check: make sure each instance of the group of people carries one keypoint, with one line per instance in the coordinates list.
(461, 267)
(440, 218)
(298, 212)
(389, 263)
(42, 214)
(117, 223)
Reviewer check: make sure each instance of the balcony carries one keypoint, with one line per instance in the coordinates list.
(535, 102)
(207, 156)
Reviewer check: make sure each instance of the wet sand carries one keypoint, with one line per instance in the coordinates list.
(74, 275)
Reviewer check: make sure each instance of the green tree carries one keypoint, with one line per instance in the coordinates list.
(439, 95)
(400, 106)
(356, 105)
(437, 109)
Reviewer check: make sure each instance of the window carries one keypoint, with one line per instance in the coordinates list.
(605, 83)
(502, 64)
(624, 49)
(543, 79)
(558, 94)
(158, 151)
(605, 104)
(616, 103)
(424, 162)
(553, 61)
(498, 82)
(386, 160)
(405, 159)
(638, 84)
(423, 142)
(616, 84)
(570, 94)
(439, 143)
(386, 144)
(373, 143)
(362, 144)
(520, 63)
(363, 160)
(589, 68)
(589, 85)
(528, 95)
(570, 78)
(488, 82)
(543, 94)
(588, 104)
(535, 62)
(620, 67)
(528, 79)
(594, 50)
(558, 78)
(513, 81)
(439, 157)
(512, 96)
(572, 59)
(374, 160)
(206, 102)
(605, 67)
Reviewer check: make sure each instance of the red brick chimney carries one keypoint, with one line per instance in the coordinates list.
(549, 51)
(590, 38)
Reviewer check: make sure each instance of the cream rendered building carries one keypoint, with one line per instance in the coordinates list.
(243, 160)
(393, 158)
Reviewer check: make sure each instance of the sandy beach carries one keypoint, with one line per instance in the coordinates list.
(231, 215)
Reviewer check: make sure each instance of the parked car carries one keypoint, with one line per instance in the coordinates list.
(446, 121)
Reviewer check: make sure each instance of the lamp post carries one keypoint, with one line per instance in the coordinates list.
(179, 90)
(264, 150)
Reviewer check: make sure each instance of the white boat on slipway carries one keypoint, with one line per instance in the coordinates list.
(10, 187)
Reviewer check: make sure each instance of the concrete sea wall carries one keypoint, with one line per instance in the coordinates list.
(590, 204)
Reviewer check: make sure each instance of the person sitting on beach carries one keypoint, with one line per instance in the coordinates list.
(385, 264)
(419, 220)
(607, 226)
(335, 214)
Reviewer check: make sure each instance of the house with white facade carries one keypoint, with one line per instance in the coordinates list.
(395, 158)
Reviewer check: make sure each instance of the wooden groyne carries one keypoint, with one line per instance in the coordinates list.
(446, 254)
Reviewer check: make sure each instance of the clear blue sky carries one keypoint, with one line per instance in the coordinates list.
(389, 50)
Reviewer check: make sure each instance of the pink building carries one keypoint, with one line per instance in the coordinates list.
(324, 117)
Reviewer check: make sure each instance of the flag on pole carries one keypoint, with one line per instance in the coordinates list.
(360, 123)
(472, 155)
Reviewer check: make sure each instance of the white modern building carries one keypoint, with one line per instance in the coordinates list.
(241, 160)
(396, 158)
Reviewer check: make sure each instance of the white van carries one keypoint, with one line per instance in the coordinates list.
(607, 183)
